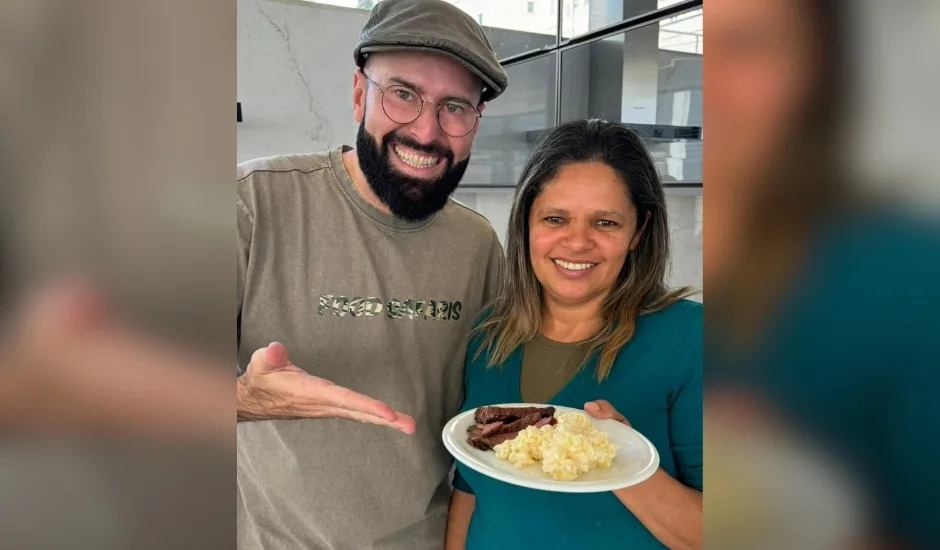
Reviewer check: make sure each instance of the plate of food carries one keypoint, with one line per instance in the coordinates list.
(551, 448)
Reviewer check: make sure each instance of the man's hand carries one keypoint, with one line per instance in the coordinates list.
(274, 388)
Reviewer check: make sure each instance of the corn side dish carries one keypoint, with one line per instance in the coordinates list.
(568, 449)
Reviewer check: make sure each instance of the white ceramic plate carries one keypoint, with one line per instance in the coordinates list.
(635, 462)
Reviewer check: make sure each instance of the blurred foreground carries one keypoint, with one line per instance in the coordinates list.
(822, 262)
(117, 146)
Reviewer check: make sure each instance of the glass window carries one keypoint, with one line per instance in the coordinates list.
(631, 78)
(518, 26)
(511, 124)
(581, 16)
(682, 33)
(515, 26)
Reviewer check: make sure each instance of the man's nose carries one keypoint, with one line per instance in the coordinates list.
(425, 128)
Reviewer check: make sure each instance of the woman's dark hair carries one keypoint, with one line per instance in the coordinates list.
(641, 285)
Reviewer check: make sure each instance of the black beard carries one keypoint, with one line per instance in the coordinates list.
(411, 199)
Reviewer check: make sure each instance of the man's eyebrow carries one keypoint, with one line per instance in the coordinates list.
(403, 82)
(420, 90)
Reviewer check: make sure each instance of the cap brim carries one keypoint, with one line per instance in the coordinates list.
(492, 87)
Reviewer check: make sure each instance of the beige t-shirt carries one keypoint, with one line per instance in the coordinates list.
(547, 366)
(373, 303)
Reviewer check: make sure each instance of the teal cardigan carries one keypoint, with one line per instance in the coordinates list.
(656, 382)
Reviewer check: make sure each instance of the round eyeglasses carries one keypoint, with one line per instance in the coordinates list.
(403, 105)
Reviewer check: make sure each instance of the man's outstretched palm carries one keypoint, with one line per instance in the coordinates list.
(274, 388)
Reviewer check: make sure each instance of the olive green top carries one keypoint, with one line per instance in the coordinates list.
(547, 366)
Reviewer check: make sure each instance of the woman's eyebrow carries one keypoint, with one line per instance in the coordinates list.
(597, 213)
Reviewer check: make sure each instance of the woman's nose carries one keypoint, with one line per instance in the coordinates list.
(579, 237)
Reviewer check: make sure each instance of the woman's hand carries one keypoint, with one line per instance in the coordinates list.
(603, 410)
(671, 511)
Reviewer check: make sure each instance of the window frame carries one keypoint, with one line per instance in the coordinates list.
(596, 35)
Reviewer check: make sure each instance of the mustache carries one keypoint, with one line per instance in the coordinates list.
(434, 149)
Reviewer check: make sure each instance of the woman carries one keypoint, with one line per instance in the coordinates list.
(585, 319)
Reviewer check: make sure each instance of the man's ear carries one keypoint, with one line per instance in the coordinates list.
(360, 86)
(480, 108)
(639, 234)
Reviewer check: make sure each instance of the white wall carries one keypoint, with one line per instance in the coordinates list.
(295, 74)
(295, 71)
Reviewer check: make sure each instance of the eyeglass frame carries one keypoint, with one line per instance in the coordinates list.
(382, 89)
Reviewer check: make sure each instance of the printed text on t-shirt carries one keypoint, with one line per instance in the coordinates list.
(344, 306)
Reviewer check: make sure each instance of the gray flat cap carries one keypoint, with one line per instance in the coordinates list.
(437, 26)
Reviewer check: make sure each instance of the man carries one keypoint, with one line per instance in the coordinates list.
(368, 278)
